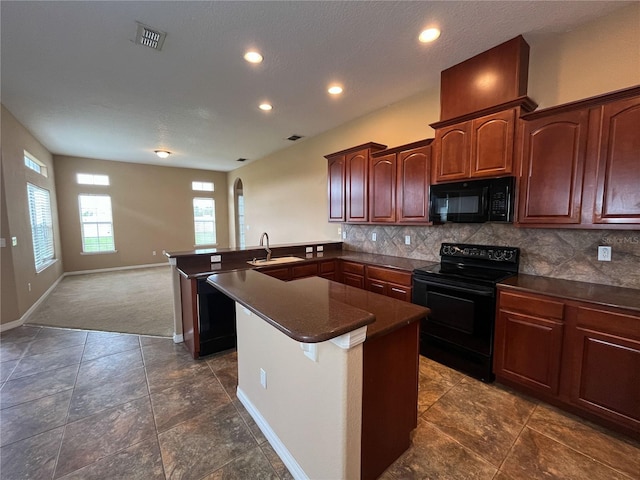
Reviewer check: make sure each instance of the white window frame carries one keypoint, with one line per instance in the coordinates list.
(197, 186)
(39, 201)
(92, 179)
(98, 224)
(202, 221)
(34, 164)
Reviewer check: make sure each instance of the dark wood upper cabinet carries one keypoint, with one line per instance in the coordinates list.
(351, 202)
(492, 138)
(618, 172)
(399, 184)
(553, 156)
(580, 164)
(412, 204)
(382, 188)
(453, 146)
(494, 77)
(480, 147)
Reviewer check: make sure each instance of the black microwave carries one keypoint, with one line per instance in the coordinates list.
(473, 201)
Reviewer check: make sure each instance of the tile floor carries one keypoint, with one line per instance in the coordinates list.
(97, 405)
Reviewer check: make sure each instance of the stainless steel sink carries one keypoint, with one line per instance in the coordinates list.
(274, 261)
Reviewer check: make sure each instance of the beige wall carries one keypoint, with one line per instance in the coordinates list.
(314, 408)
(152, 210)
(286, 192)
(18, 266)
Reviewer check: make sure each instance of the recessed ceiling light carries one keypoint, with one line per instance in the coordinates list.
(335, 90)
(253, 57)
(265, 106)
(429, 35)
(162, 153)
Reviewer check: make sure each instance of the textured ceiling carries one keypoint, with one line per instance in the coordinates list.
(73, 76)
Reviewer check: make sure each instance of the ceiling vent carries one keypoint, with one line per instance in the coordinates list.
(150, 37)
(293, 138)
(242, 160)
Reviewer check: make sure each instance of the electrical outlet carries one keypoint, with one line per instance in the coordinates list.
(604, 254)
(374, 237)
(308, 249)
(14, 241)
(320, 248)
(263, 378)
(153, 253)
(407, 239)
(344, 235)
(216, 258)
(339, 231)
(29, 286)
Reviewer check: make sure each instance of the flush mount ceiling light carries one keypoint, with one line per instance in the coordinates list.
(149, 37)
(335, 90)
(253, 57)
(162, 153)
(265, 106)
(429, 35)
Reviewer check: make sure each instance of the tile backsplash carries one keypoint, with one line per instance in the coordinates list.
(560, 253)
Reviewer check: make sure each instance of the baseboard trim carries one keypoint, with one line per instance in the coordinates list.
(115, 269)
(23, 319)
(178, 338)
(294, 467)
(9, 325)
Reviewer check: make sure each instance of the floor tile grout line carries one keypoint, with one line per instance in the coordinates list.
(584, 454)
(515, 440)
(468, 449)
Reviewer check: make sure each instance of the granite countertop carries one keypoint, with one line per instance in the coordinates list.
(314, 309)
(399, 263)
(605, 295)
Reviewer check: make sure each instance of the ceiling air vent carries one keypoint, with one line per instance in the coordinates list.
(242, 160)
(293, 138)
(149, 37)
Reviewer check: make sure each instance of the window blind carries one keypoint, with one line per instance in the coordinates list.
(41, 225)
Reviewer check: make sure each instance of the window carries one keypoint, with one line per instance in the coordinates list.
(91, 179)
(204, 218)
(34, 164)
(41, 226)
(202, 186)
(96, 224)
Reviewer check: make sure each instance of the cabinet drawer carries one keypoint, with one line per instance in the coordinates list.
(306, 270)
(388, 275)
(351, 267)
(532, 305)
(281, 273)
(400, 292)
(327, 267)
(353, 280)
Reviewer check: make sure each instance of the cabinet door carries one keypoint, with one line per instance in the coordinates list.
(413, 185)
(353, 280)
(618, 174)
(382, 189)
(528, 350)
(335, 177)
(357, 167)
(302, 271)
(281, 273)
(376, 286)
(400, 292)
(452, 152)
(553, 157)
(606, 365)
(492, 139)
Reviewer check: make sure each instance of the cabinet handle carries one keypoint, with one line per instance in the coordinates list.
(398, 290)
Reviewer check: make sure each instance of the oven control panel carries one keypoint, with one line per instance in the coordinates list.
(481, 252)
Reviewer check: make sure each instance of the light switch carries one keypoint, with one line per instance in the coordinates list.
(407, 239)
(14, 241)
(374, 237)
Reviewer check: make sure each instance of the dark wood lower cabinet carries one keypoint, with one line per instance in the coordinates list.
(576, 355)
(389, 398)
(605, 369)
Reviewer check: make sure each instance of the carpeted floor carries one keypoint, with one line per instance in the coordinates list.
(129, 301)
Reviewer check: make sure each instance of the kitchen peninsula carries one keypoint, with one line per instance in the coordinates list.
(328, 371)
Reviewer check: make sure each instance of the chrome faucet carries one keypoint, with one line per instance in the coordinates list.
(262, 237)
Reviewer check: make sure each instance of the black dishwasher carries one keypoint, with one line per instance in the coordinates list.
(216, 318)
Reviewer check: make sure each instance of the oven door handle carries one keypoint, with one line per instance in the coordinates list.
(455, 288)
